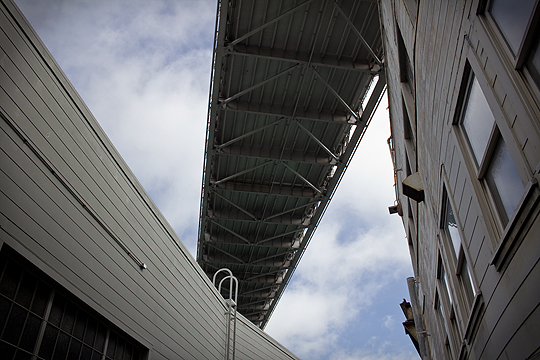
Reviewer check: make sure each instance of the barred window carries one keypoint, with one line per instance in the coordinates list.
(39, 319)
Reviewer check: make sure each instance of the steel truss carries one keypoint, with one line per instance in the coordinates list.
(287, 110)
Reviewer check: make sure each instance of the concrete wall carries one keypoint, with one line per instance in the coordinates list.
(444, 39)
(70, 205)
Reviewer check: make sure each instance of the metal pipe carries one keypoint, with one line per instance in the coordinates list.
(316, 140)
(251, 88)
(418, 319)
(336, 5)
(242, 172)
(353, 113)
(302, 178)
(249, 133)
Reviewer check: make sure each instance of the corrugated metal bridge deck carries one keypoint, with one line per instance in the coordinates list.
(288, 106)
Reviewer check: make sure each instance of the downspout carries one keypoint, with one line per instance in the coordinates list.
(418, 320)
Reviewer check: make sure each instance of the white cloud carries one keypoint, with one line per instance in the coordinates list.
(388, 321)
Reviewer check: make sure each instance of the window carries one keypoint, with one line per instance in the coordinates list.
(466, 281)
(512, 20)
(444, 281)
(477, 120)
(502, 174)
(450, 224)
(533, 62)
(407, 129)
(445, 306)
(441, 319)
(405, 68)
(491, 155)
(518, 25)
(38, 318)
(451, 228)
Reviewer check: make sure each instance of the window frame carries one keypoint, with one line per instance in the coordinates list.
(447, 303)
(501, 129)
(443, 224)
(441, 320)
(465, 310)
(518, 60)
(467, 280)
(524, 49)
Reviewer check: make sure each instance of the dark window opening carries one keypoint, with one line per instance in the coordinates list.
(40, 318)
(405, 68)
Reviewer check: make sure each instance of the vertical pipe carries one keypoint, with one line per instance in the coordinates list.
(418, 319)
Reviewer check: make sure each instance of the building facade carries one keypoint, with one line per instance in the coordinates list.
(89, 268)
(464, 95)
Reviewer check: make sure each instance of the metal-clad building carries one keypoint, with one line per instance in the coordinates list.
(89, 268)
(464, 97)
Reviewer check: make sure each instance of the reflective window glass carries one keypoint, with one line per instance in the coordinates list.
(503, 176)
(444, 281)
(512, 19)
(478, 120)
(533, 62)
(466, 279)
(452, 227)
(500, 173)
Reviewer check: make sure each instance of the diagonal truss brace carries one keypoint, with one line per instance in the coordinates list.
(236, 206)
(351, 24)
(263, 274)
(268, 217)
(242, 172)
(248, 134)
(264, 26)
(353, 113)
(226, 253)
(316, 140)
(251, 88)
(259, 289)
(290, 210)
(231, 231)
(269, 257)
(282, 234)
(302, 178)
(306, 181)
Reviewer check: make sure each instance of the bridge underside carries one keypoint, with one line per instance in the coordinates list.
(294, 85)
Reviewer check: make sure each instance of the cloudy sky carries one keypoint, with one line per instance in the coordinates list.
(143, 69)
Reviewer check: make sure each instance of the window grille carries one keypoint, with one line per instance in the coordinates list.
(41, 320)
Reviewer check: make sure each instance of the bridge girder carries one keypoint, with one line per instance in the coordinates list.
(288, 107)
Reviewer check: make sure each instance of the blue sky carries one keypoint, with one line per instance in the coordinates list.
(143, 69)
